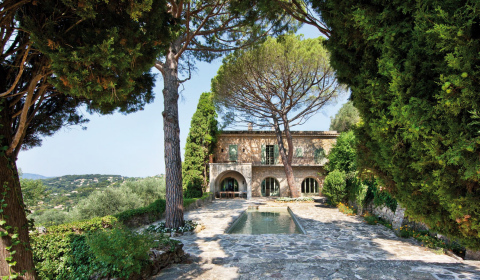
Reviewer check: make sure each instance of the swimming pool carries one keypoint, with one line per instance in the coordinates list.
(266, 220)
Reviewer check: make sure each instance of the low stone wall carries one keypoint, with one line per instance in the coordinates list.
(200, 202)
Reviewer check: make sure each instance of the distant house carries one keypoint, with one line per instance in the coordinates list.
(247, 163)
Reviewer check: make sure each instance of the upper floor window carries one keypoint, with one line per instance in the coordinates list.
(270, 154)
(232, 152)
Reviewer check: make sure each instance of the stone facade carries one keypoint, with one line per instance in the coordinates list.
(244, 156)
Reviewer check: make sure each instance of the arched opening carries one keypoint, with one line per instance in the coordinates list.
(229, 184)
(270, 187)
(310, 186)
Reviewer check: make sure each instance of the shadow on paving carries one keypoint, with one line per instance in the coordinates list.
(345, 248)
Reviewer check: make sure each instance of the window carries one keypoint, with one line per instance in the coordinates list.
(229, 184)
(319, 155)
(270, 187)
(310, 185)
(270, 154)
(232, 153)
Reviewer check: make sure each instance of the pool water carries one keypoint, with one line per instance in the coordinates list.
(266, 220)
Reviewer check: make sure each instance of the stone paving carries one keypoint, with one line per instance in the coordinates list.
(336, 246)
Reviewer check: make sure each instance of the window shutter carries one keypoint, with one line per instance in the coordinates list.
(298, 152)
(276, 153)
(233, 152)
(262, 155)
(319, 155)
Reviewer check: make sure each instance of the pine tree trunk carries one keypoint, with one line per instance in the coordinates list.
(13, 212)
(286, 159)
(171, 129)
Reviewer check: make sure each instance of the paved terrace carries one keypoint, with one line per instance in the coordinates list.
(336, 246)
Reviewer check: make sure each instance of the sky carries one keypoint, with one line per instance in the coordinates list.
(132, 145)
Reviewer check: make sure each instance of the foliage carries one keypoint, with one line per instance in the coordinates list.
(132, 194)
(303, 82)
(412, 68)
(188, 201)
(207, 29)
(81, 249)
(160, 227)
(125, 250)
(346, 118)
(373, 220)
(58, 57)
(85, 226)
(109, 202)
(147, 189)
(380, 196)
(334, 187)
(344, 208)
(33, 191)
(62, 253)
(200, 143)
(154, 211)
(343, 154)
(279, 84)
(50, 217)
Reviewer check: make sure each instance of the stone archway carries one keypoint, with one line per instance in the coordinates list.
(242, 173)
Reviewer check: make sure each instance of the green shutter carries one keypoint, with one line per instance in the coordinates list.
(233, 152)
(298, 152)
(276, 153)
(319, 155)
(262, 155)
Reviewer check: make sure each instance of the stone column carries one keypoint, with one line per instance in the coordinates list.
(211, 179)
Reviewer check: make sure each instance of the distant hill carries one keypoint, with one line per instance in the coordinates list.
(33, 176)
(73, 182)
(66, 191)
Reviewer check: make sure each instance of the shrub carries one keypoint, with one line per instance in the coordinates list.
(334, 187)
(97, 247)
(109, 202)
(61, 253)
(154, 211)
(50, 217)
(124, 250)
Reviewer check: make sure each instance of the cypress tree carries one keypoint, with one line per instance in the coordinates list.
(413, 68)
(200, 142)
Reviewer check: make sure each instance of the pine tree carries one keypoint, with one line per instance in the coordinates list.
(200, 143)
(58, 57)
(279, 84)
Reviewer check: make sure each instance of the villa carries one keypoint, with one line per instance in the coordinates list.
(248, 164)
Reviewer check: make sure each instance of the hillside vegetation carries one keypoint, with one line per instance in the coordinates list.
(76, 197)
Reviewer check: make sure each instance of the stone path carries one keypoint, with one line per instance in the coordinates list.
(336, 246)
